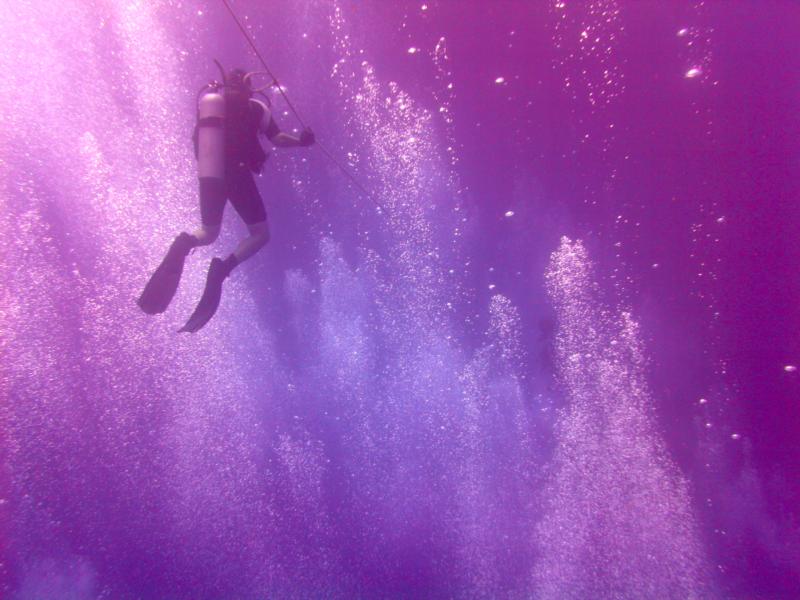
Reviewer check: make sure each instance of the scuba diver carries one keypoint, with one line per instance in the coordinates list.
(228, 152)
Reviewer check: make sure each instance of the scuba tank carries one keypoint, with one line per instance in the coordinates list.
(210, 132)
(226, 131)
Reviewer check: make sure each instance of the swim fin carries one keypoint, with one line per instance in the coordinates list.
(212, 294)
(161, 288)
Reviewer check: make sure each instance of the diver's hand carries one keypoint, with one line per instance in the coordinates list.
(307, 137)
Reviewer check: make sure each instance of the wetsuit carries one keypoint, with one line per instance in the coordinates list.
(243, 157)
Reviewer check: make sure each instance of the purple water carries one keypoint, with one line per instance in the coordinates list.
(559, 363)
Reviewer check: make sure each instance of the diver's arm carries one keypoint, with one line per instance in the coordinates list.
(284, 140)
(278, 138)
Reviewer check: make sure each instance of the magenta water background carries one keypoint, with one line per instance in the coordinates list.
(447, 399)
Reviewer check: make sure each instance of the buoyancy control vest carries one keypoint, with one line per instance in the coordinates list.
(242, 148)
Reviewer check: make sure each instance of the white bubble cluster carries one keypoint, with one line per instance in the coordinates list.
(613, 492)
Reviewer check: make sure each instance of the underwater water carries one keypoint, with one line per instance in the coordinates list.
(559, 361)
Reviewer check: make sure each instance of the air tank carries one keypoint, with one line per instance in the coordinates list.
(211, 136)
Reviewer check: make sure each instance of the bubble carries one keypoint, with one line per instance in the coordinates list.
(606, 383)
(790, 368)
(413, 50)
(509, 213)
(683, 32)
(693, 72)
(703, 401)
(500, 80)
(735, 436)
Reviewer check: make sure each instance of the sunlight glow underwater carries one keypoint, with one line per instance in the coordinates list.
(361, 444)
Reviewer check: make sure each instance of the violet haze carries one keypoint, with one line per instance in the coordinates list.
(560, 361)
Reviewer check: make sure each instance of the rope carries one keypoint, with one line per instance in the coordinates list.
(294, 110)
(264, 63)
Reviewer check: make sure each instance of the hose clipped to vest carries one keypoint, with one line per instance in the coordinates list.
(275, 83)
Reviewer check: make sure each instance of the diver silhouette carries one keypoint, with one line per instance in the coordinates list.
(228, 152)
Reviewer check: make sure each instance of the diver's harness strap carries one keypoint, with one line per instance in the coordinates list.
(211, 122)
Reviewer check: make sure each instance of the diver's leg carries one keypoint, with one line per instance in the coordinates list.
(248, 203)
(213, 197)
(221, 269)
(212, 204)
(163, 284)
(245, 198)
(258, 238)
(207, 234)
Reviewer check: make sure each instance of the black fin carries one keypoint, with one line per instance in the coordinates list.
(163, 284)
(207, 307)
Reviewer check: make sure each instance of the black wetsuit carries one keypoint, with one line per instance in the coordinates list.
(243, 157)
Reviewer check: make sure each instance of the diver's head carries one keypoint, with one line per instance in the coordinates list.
(237, 81)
